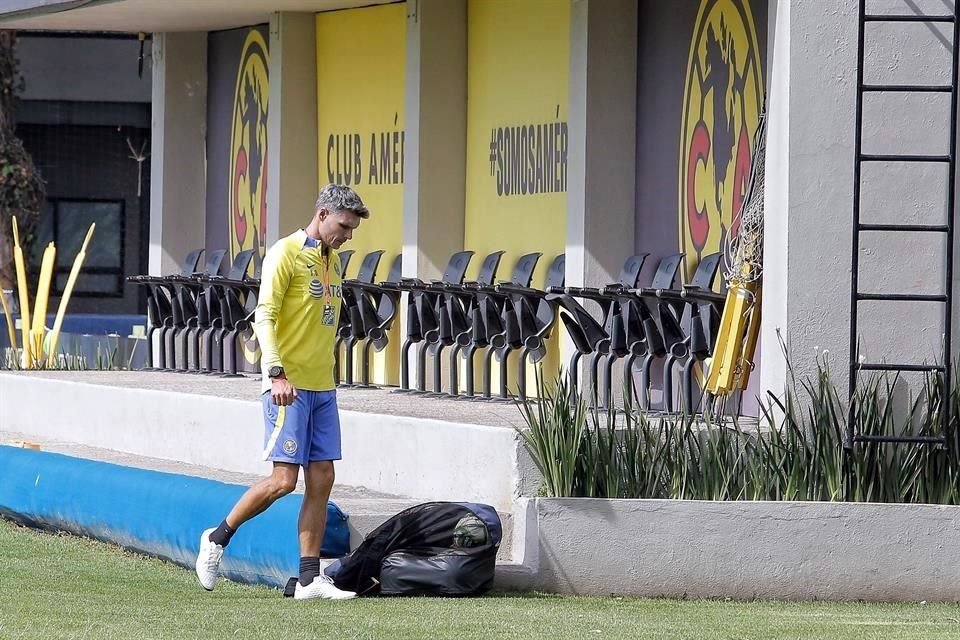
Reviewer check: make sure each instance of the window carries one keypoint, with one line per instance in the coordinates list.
(65, 223)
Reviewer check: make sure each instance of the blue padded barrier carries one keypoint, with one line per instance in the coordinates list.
(156, 513)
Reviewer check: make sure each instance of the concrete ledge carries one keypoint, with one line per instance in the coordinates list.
(161, 514)
(420, 458)
(740, 550)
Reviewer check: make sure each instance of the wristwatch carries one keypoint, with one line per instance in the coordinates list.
(275, 372)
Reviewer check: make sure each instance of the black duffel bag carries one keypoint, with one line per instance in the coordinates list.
(432, 549)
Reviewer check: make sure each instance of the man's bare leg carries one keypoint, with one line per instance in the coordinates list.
(319, 476)
(257, 498)
(312, 583)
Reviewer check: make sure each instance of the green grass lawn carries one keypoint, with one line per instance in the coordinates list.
(60, 586)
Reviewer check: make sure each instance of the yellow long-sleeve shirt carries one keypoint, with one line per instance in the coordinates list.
(297, 312)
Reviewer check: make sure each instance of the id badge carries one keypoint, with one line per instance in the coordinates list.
(328, 314)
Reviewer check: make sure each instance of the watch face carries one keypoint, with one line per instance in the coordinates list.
(274, 372)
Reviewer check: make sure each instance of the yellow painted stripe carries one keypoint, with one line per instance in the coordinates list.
(277, 426)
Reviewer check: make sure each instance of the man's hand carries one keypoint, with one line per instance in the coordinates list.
(282, 392)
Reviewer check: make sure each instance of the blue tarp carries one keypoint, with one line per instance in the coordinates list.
(95, 324)
(160, 514)
(95, 341)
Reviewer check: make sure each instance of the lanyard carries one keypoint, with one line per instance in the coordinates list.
(325, 254)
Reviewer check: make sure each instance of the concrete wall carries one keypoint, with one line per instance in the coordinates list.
(421, 459)
(740, 550)
(810, 185)
(901, 193)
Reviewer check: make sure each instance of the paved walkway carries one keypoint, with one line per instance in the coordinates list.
(378, 401)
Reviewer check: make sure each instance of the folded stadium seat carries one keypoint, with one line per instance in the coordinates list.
(176, 325)
(343, 320)
(193, 313)
(378, 305)
(351, 327)
(536, 317)
(651, 322)
(691, 317)
(472, 332)
(173, 323)
(345, 256)
(499, 328)
(639, 332)
(226, 307)
(453, 313)
(702, 321)
(646, 337)
(707, 314)
(241, 350)
(216, 265)
(160, 302)
(466, 344)
(422, 314)
(158, 310)
(587, 335)
(509, 337)
(642, 336)
(593, 338)
(613, 324)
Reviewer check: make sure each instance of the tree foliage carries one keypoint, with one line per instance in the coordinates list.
(21, 188)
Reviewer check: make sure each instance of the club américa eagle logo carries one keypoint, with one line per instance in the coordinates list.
(722, 101)
(248, 148)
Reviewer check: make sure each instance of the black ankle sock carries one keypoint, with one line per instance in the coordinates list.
(222, 534)
(309, 569)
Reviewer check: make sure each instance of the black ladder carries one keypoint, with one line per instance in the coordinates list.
(943, 369)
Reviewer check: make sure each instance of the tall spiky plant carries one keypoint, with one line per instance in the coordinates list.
(799, 451)
(555, 433)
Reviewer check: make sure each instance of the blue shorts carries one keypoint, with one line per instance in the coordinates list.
(307, 430)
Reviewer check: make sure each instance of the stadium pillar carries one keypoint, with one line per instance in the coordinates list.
(178, 178)
(435, 117)
(601, 193)
(773, 369)
(292, 123)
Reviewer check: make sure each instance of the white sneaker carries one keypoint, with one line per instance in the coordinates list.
(208, 560)
(321, 587)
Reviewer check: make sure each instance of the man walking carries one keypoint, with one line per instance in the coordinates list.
(296, 323)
